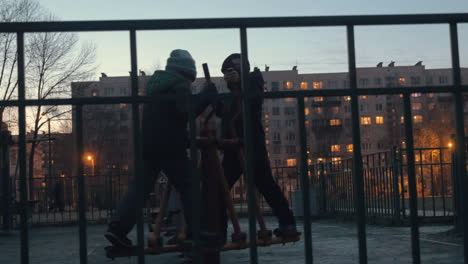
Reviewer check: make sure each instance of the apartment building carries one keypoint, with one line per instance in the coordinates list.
(107, 129)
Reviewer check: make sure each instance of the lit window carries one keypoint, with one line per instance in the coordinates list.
(304, 85)
(335, 148)
(363, 96)
(417, 106)
(306, 99)
(94, 93)
(347, 98)
(267, 141)
(379, 120)
(401, 81)
(366, 120)
(318, 110)
(306, 111)
(335, 122)
(418, 118)
(318, 99)
(289, 100)
(266, 116)
(288, 85)
(317, 85)
(349, 147)
(291, 162)
(336, 159)
(121, 105)
(415, 94)
(402, 119)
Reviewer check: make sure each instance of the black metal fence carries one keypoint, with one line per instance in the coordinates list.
(55, 199)
(386, 184)
(243, 24)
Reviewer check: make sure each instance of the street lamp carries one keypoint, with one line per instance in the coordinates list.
(89, 157)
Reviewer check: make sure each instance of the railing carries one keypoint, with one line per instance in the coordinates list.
(55, 199)
(350, 22)
(386, 184)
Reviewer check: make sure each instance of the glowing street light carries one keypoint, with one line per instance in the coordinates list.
(90, 157)
(450, 144)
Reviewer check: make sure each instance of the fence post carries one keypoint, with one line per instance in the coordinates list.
(323, 191)
(5, 142)
(396, 189)
(455, 193)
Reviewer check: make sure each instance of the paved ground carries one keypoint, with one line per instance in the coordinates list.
(333, 242)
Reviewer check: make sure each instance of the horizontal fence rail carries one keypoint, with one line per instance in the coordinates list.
(353, 183)
(220, 23)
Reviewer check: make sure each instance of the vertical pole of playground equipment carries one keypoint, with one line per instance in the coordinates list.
(305, 182)
(137, 166)
(411, 179)
(81, 184)
(357, 155)
(22, 150)
(212, 186)
(248, 143)
(196, 194)
(460, 135)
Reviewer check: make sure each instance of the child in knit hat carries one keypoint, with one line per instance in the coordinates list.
(165, 140)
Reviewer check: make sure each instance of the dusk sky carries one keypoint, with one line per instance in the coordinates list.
(311, 49)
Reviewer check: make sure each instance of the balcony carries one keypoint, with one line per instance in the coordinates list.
(327, 102)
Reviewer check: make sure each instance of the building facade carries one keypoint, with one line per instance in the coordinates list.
(107, 129)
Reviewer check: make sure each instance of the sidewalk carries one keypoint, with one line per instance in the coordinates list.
(333, 242)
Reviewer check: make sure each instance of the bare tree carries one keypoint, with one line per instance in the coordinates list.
(56, 60)
(12, 11)
(52, 61)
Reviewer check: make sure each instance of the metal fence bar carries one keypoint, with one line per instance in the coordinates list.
(22, 151)
(460, 134)
(279, 94)
(213, 23)
(441, 162)
(423, 196)
(137, 166)
(431, 168)
(247, 116)
(411, 179)
(396, 189)
(82, 205)
(388, 190)
(402, 182)
(305, 183)
(357, 161)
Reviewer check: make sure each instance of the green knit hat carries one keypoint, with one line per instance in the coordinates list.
(182, 62)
